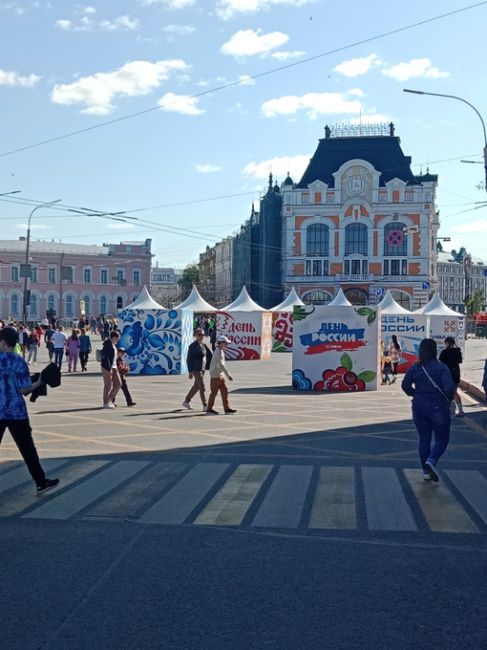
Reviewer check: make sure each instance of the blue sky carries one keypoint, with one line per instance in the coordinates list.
(66, 66)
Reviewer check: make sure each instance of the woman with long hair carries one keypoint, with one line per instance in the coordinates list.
(395, 356)
(431, 386)
(72, 346)
(451, 356)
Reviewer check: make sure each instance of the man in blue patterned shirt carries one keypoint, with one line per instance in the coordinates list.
(15, 382)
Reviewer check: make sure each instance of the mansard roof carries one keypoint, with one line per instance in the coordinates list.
(383, 152)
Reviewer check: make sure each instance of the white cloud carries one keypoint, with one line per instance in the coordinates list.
(125, 23)
(356, 92)
(64, 24)
(169, 4)
(33, 226)
(478, 225)
(179, 29)
(247, 42)
(184, 104)
(228, 8)
(246, 80)
(288, 55)
(280, 166)
(97, 92)
(89, 10)
(313, 103)
(10, 78)
(207, 168)
(357, 67)
(414, 68)
(121, 226)
(14, 7)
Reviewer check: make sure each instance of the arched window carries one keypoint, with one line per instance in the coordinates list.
(395, 242)
(317, 240)
(402, 298)
(33, 306)
(357, 296)
(103, 305)
(356, 239)
(87, 300)
(316, 298)
(51, 303)
(14, 305)
(68, 310)
(119, 302)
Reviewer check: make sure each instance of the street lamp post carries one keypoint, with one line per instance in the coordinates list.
(25, 302)
(460, 99)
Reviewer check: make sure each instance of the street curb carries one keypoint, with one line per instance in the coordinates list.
(474, 390)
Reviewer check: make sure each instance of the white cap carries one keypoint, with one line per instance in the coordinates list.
(223, 339)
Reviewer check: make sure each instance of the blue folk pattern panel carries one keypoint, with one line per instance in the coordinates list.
(152, 340)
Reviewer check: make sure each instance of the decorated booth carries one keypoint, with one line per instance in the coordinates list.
(155, 339)
(249, 328)
(410, 329)
(196, 303)
(443, 321)
(335, 348)
(282, 322)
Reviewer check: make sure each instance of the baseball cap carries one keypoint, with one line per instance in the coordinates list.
(223, 339)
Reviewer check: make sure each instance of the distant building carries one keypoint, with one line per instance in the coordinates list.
(460, 275)
(223, 272)
(70, 278)
(206, 265)
(164, 285)
(359, 219)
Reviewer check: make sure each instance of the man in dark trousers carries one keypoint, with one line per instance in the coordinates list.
(198, 360)
(15, 382)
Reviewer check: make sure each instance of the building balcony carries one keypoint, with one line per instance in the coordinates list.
(355, 277)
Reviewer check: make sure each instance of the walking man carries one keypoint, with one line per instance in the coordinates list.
(218, 373)
(111, 378)
(15, 382)
(58, 340)
(198, 360)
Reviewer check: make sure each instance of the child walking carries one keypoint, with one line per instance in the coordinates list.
(123, 369)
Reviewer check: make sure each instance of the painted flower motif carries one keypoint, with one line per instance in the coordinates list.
(300, 381)
(340, 380)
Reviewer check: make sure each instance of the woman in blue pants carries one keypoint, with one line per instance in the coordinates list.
(430, 384)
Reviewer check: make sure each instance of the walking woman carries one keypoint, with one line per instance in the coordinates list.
(431, 386)
(451, 356)
(111, 378)
(33, 343)
(72, 346)
(395, 355)
(84, 349)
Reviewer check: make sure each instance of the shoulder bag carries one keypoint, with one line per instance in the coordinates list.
(451, 404)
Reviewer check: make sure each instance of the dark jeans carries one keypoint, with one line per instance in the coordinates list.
(83, 359)
(58, 357)
(22, 435)
(125, 390)
(432, 419)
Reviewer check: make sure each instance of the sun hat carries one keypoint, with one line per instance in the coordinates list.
(223, 339)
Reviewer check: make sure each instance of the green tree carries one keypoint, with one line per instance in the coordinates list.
(190, 276)
(475, 302)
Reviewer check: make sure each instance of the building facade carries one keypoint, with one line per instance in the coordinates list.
(223, 272)
(68, 279)
(459, 276)
(360, 220)
(165, 288)
(207, 265)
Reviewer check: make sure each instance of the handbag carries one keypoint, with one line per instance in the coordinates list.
(451, 404)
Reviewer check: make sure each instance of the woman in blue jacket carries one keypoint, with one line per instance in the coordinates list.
(430, 384)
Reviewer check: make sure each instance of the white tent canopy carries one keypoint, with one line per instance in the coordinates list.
(194, 302)
(389, 306)
(436, 307)
(340, 300)
(145, 301)
(289, 302)
(243, 303)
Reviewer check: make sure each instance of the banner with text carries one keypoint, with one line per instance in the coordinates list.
(250, 334)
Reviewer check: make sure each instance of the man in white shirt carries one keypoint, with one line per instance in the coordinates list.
(58, 340)
(218, 372)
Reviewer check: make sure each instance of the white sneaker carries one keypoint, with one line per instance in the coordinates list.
(109, 405)
(187, 405)
(426, 477)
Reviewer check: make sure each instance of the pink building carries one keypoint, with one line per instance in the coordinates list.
(107, 278)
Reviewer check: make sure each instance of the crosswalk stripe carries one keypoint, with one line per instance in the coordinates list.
(183, 498)
(229, 506)
(67, 504)
(133, 496)
(473, 487)
(441, 510)
(283, 504)
(387, 508)
(334, 500)
(21, 475)
(24, 497)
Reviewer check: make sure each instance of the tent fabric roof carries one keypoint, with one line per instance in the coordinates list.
(389, 306)
(194, 302)
(145, 301)
(436, 307)
(340, 300)
(243, 303)
(288, 303)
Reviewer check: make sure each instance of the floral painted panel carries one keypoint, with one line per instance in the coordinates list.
(155, 341)
(282, 332)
